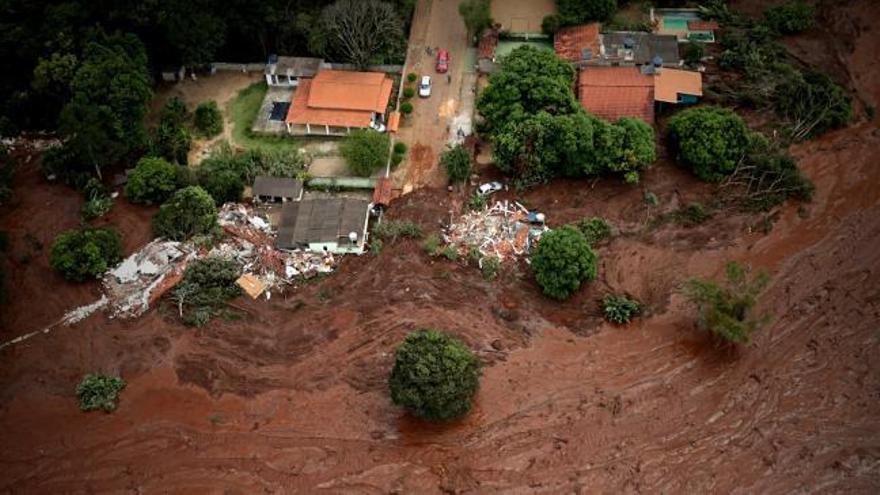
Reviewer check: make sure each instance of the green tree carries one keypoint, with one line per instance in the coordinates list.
(638, 148)
(594, 229)
(195, 29)
(207, 119)
(562, 261)
(725, 309)
(435, 376)
(477, 16)
(457, 163)
(692, 52)
(223, 184)
(580, 11)
(86, 253)
(206, 286)
(110, 92)
(97, 391)
(620, 309)
(153, 180)
(814, 103)
(530, 80)
(708, 140)
(365, 151)
(171, 139)
(189, 212)
(790, 17)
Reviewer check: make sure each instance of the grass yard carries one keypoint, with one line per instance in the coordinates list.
(242, 110)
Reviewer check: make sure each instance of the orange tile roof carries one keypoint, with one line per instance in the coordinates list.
(570, 42)
(393, 121)
(347, 90)
(301, 113)
(702, 25)
(614, 92)
(382, 192)
(669, 83)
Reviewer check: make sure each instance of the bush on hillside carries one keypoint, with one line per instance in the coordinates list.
(86, 253)
(207, 119)
(594, 229)
(813, 103)
(190, 211)
(435, 376)
(581, 11)
(365, 151)
(562, 261)
(724, 309)
(457, 163)
(153, 180)
(791, 17)
(97, 391)
(710, 141)
(620, 309)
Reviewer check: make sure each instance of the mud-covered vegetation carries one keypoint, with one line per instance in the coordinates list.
(207, 285)
(99, 391)
(86, 253)
(563, 261)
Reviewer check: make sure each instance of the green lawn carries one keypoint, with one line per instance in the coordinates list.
(243, 110)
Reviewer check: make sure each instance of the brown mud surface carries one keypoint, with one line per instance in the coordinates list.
(292, 398)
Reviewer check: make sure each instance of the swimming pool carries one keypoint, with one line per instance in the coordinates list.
(675, 23)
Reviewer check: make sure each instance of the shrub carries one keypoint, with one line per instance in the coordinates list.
(692, 215)
(772, 177)
(365, 151)
(206, 286)
(620, 309)
(476, 202)
(791, 17)
(396, 159)
(406, 108)
(594, 229)
(171, 142)
(153, 180)
(96, 207)
(97, 391)
(409, 92)
(709, 140)
(457, 163)
(580, 11)
(551, 24)
(724, 309)
(489, 266)
(562, 261)
(638, 149)
(224, 185)
(435, 376)
(411, 77)
(189, 212)
(692, 53)
(432, 245)
(86, 253)
(400, 147)
(391, 230)
(174, 112)
(207, 119)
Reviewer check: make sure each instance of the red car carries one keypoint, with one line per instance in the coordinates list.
(442, 61)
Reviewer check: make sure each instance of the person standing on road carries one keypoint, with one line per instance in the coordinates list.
(448, 78)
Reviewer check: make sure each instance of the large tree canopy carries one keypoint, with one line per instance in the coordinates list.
(104, 119)
(709, 140)
(357, 31)
(562, 261)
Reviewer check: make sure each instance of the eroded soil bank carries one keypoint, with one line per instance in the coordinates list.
(293, 397)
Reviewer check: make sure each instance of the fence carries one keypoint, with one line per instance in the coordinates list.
(253, 67)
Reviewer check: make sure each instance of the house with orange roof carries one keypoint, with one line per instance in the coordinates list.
(677, 87)
(612, 93)
(334, 102)
(578, 44)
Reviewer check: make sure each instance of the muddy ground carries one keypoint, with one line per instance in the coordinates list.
(293, 398)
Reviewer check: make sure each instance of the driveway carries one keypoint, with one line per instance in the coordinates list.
(436, 23)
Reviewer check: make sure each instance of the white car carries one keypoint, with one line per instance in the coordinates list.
(425, 87)
(489, 188)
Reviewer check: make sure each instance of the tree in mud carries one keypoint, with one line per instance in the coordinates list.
(457, 162)
(562, 261)
(153, 180)
(435, 376)
(86, 253)
(724, 309)
(710, 141)
(813, 103)
(97, 391)
(206, 286)
(189, 212)
(358, 31)
(207, 119)
(791, 17)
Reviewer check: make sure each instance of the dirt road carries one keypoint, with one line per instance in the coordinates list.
(293, 399)
(436, 24)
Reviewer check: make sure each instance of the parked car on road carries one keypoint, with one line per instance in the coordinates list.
(425, 87)
(489, 188)
(442, 61)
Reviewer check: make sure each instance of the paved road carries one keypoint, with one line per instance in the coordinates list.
(436, 24)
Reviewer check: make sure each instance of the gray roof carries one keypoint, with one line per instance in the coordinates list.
(321, 220)
(645, 46)
(278, 187)
(295, 66)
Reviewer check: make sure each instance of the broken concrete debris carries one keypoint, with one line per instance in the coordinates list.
(504, 230)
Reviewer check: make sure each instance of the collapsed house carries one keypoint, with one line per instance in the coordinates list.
(505, 231)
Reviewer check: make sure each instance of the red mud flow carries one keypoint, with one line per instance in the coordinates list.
(292, 399)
